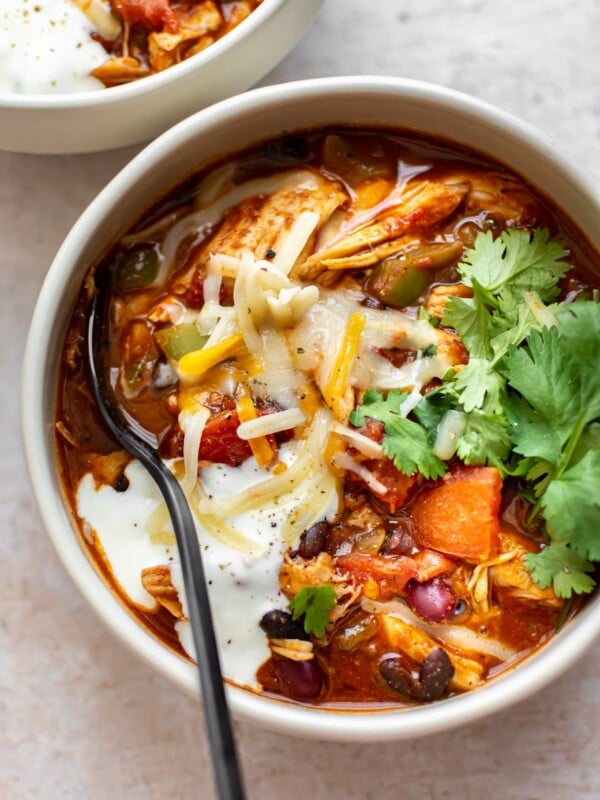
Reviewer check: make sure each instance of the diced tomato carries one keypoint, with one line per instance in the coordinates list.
(430, 564)
(459, 516)
(155, 15)
(392, 573)
(373, 429)
(399, 486)
(220, 442)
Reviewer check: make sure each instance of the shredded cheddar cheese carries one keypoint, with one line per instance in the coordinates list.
(337, 383)
(200, 361)
(261, 448)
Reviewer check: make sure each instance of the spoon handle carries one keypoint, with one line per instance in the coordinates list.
(225, 761)
(218, 721)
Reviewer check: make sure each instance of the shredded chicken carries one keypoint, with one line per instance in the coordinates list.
(297, 572)
(423, 204)
(157, 582)
(294, 649)
(507, 572)
(513, 578)
(120, 69)
(418, 645)
(107, 468)
(145, 38)
(439, 296)
(261, 224)
(195, 26)
(501, 196)
(479, 586)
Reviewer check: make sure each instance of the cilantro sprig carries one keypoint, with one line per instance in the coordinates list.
(552, 406)
(314, 604)
(500, 271)
(530, 396)
(405, 442)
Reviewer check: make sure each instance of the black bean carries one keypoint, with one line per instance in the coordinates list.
(279, 624)
(312, 540)
(397, 542)
(460, 608)
(397, 676)
(293, 149)
(435, 674)
(121, 483)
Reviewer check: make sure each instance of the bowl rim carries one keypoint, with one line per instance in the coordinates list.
(273, 714)
(157, 81)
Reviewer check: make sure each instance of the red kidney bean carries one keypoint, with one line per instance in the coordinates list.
(299, 680)
(432, 600)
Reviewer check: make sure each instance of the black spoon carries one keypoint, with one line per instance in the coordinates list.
(141, 444)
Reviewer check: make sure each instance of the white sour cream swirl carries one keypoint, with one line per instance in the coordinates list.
(242, 587)
(46, 47)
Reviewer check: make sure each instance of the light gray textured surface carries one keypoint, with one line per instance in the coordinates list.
(80, 717)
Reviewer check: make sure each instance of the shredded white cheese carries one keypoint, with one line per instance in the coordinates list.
(345, 461)
(368, 447)
(454, 635)
(193, 428)
(451, 428)
(271, 423)
(302, 229)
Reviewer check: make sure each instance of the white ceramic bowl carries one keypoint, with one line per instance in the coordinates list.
(233, 124)
(84, 122)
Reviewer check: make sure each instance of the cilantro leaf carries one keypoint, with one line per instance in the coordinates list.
(405, 442)
(471, 319)
(431, 409)
(478, 385)
(590, 440)
(526, 262)
(563, 569)
(314, 603)
(533, 435)
(552, 423)
(580, 327)
(499, 271)
(571, 506)
(580, 341)
(511, 322)
(485, 440)
(546, 414)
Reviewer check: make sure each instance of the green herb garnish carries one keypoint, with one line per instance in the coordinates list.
(314, 603)
(405, 442)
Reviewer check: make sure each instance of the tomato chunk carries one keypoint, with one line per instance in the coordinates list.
(393, 573)
(399, 486)
(152, 14)
(459, 516)
(220, 442)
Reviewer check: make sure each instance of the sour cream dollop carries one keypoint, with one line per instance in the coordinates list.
(46, 47)
(242, 586)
